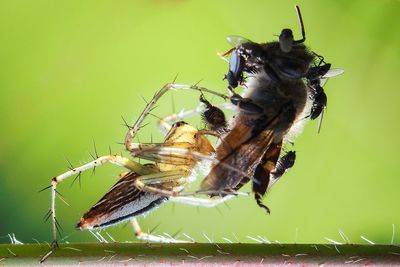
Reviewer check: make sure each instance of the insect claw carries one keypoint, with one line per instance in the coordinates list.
(94, 171)
(109, 150)
(258, 199)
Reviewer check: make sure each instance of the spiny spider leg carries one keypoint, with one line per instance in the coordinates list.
(113, 159)
(165, 123)
(152, 238)
(150, 105)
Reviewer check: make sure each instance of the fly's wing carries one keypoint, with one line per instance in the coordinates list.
(333, 72)
(241, 149)
(122, 202)
(235, 40)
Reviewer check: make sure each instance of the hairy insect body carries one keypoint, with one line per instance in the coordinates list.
(273, 102)
(250, 135)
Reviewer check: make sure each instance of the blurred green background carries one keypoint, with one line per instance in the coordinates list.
(71, 69)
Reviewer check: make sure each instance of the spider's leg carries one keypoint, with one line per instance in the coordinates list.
(114, 159)
(153, 238)
(151, 104)
(165, 123)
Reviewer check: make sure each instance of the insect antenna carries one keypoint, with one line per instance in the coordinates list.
(303, 32)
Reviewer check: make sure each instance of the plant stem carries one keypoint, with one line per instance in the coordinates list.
(199, 253)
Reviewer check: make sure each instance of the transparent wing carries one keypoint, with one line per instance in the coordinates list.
(236, 40)
(333, 72)
(321, 116)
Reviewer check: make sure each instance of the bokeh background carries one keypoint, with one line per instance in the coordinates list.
(70, 69)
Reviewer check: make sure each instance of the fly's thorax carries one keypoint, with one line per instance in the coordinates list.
(272, 96)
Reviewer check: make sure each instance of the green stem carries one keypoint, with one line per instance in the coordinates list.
(141, 253)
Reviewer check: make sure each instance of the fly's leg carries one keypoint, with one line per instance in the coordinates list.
(268, 163)
(169, 86)
(282, 166)
(263, 173)
(246, 104)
